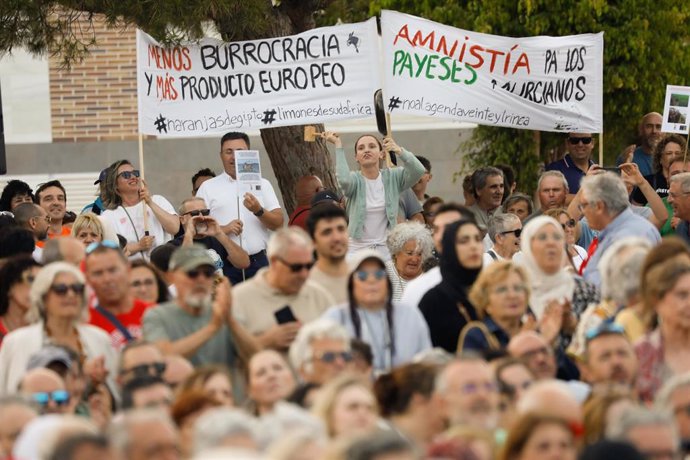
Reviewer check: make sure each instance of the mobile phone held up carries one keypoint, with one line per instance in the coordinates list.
(613, 169)
(285, 315)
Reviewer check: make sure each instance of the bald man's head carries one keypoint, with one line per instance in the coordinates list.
(306, 188)
(47, 389)
(65, 248)
(535, 352)
(551, 398)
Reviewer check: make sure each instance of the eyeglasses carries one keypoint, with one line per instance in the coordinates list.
(519, 288)
(330, 357)
(156, 369)
(472, 388)
(102, 244)
(59, 397)
(364, 275)
(127, 175)
(569, 224)
(140, 283)
(517, 231)
(295, 268)
(577, 140)
(207, 271)
(603, 329)
(62, 288)
(198, 212)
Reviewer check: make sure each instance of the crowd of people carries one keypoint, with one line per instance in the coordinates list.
(374, 323)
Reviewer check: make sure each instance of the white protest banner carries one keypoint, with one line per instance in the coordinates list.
(539, 83)
(211, 87)
(676, 110)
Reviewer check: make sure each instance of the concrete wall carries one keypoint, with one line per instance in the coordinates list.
(170, 164)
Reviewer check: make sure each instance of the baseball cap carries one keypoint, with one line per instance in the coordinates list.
(325, 195)
(48, 355)
(190, 257)
(101, 176)
(365, 254)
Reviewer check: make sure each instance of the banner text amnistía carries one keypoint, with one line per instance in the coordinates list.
(211, 87)
(539, 83)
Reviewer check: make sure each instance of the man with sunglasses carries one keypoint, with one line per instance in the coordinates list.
(283, 285)
(576, 162)
(321, 352)
(253, 218)
(198, 324)
(504, 232)
(47, 389)
(138, 359)
(199, 227)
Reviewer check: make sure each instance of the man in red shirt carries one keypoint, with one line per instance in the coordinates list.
(115, 310)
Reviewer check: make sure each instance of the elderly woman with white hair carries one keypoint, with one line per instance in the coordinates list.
(58, 307)
(620, 269)
(504, 233)
(410, 245)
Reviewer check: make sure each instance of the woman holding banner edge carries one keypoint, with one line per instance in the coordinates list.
(373, 193)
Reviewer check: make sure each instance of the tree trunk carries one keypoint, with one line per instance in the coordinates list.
(291, 157)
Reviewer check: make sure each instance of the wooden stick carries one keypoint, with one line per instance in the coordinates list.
(141, 171)
(685, 155)
(601, 149)
(389, 163)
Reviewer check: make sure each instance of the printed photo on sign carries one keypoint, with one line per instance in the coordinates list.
(248, 170)
(676, 110)
(541, 83)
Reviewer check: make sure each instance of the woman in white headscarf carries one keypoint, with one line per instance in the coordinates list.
(546, 260)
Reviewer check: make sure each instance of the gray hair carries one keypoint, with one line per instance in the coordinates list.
(621, 266)
(663, 398)
(122, 425)
(41, 285)
(441, 382)
(638, 416)
(181, 209)
(606, 188)
(407, 231)
(480, 176)
(499, 223)
(217, 424)
(51, 251)
(556, 174)
(301, 352)
(287, 420)
(683, 179)
(285, 238)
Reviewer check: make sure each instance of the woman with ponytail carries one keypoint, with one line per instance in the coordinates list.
(394, 331)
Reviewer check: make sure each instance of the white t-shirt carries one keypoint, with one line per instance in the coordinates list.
(375, 222)
(415, 289)
(133, 229)
(221, 196)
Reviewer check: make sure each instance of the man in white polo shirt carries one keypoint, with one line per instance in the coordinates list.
(256, 214)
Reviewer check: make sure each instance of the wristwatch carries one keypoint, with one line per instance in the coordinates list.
(259, 213)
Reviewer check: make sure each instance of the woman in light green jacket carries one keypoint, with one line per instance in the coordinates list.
(373, 193)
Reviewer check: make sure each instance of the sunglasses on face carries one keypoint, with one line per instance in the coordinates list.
(59, 397)
(569, 224)
(207, 271)
(577, 140)
(517, 232)
(62, 289)
(156, 369)
(102, 244)
(198, 212)
(330, 357)
(364, 275)
(127, 175)
(295, 268)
